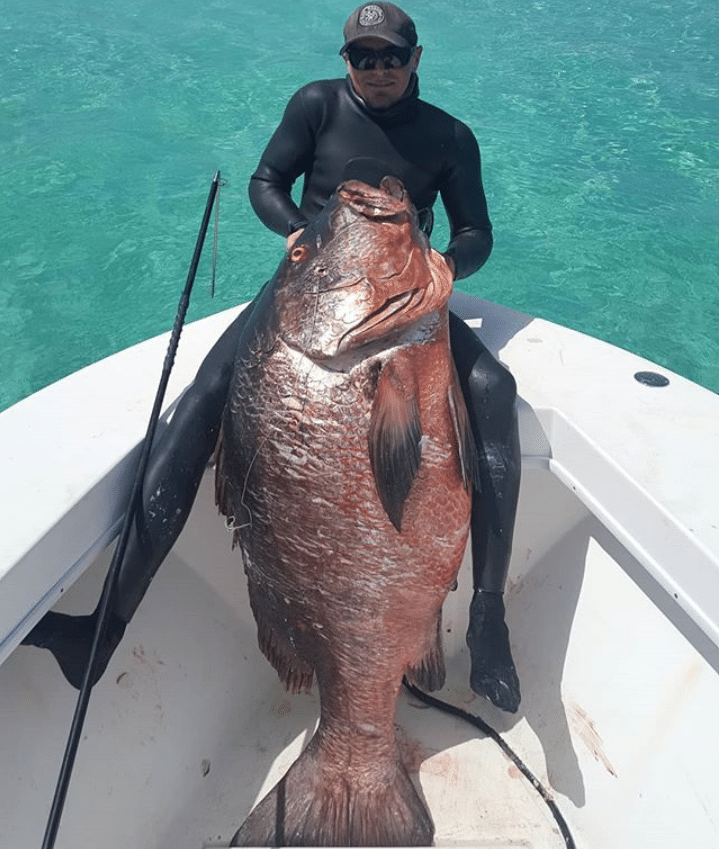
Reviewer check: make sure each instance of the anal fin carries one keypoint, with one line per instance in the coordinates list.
(429, 672)
(274, 642)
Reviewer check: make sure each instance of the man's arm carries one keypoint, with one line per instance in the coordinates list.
(464, 200)
(287, 156)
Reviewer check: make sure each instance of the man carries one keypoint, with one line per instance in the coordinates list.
(366, 126)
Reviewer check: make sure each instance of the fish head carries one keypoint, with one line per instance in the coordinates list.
(361, 274)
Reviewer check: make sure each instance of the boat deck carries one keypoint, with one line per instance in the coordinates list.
(190, 726)
(612, 604)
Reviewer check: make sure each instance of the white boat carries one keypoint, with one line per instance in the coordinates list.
(612, 604)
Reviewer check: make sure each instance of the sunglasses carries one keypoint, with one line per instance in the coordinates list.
(363, 59)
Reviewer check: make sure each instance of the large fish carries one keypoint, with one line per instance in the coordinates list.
(345, 467)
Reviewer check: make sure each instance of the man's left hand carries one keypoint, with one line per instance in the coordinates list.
(451, 265)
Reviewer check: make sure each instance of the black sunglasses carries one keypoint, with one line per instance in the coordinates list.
(363, 59)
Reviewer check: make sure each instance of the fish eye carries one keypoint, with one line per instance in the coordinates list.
(299, 253)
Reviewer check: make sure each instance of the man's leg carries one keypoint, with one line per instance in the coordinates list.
(490, 391)
(177, 462)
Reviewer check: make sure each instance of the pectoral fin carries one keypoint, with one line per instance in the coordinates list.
(394, 441)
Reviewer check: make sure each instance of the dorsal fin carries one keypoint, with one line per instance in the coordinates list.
(394, 441)
(468, 458)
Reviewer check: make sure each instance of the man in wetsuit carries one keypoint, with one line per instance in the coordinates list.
(365, 126)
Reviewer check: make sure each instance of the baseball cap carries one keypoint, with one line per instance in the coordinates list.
(380, 20)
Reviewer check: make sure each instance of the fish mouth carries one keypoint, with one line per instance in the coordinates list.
(389, 267)
(388, 309)
(390, 201)
(383, 316)
(388, 204)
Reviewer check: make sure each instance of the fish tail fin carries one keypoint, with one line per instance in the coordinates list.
(429, 671)
(318, 804)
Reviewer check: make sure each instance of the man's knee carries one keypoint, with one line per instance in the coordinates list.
(491, 383)
(476, 366)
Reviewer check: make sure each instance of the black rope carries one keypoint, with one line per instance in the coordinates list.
(73, 742)
(479, 723)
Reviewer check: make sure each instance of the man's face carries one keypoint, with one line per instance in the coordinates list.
(381, 87)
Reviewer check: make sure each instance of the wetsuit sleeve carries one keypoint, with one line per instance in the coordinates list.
(464, 200)
(288, 154)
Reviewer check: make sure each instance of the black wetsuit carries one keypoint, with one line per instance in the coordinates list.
(328, 134)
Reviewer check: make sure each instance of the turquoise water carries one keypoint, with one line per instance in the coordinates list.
(598, 129)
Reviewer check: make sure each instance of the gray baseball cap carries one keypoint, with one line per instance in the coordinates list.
(380, 20)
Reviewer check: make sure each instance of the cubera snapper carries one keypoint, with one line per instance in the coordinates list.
(345, 467)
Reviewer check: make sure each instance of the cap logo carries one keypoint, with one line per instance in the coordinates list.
(370, 16)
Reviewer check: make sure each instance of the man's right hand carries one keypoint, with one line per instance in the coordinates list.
(293, 237)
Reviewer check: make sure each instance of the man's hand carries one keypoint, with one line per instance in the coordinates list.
(450, 263)
(293, 237)
(444, 264)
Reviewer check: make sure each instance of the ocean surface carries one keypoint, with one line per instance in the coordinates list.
(597, 124)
